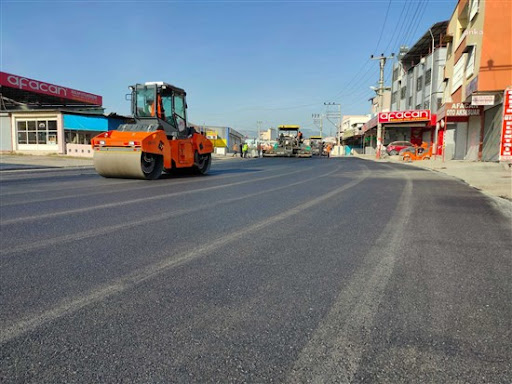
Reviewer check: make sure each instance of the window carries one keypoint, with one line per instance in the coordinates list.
(426, 105)
(393, 97)
(403, 91)
(428, 76)
(37, 132)
(179, 110)
(418, 106)
(395, 74)
(419, 83)
(410, 101)
(439, 102)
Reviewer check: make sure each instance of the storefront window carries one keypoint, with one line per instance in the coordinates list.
(37, 132)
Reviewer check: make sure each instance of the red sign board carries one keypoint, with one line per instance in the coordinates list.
(506, 129)
(30, 85)
(404, 116)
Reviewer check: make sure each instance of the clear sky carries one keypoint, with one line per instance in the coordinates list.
(239, 61)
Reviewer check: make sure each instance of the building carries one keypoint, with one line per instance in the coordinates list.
(350, 133)
(417, 85)
(44, 118)
(478, 69)
(223, 138)
(418, 74)
(268, 135)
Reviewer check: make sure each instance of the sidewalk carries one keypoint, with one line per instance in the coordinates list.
(494, 179)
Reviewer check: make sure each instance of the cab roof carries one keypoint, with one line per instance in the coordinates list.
(166, 85)
(289, 127)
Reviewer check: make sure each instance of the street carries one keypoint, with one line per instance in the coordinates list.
(266, 270)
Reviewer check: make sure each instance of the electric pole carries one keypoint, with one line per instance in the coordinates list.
(259, 129)
(334, 114)
(380, 93)
(318, 121)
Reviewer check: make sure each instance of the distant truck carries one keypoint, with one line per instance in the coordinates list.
(289, 143)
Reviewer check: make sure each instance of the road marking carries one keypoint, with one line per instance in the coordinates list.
(140, 184)
(135, 201)
(334, 351)
(29, 323)
(143, 221)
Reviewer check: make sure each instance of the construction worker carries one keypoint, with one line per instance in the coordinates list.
(149, 109)
(245, 148)
(235, 149)
(328, 150)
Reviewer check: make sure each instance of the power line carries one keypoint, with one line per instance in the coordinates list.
(383, 25)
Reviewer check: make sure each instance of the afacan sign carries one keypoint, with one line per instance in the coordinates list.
(14, 81)
(404, 116)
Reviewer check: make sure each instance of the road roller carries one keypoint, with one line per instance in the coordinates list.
(158, 140)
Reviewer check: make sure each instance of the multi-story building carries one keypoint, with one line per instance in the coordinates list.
(478, 70)
(417, 83)
(418, 74)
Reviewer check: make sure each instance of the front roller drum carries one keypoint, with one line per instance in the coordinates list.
(128, 164)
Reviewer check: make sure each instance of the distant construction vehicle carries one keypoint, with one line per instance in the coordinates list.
(159, 141)
(289, 143)
(317, 145)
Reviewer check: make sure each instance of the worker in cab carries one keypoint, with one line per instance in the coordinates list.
(149, 109)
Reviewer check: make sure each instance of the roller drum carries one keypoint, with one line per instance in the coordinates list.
(117, 163)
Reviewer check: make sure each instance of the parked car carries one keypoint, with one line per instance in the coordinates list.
(395, 147)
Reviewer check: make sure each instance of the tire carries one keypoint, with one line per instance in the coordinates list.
(393, 153)
(203, 163)
(151, 165)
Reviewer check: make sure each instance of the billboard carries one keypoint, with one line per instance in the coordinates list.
(506, 128)
(404, 116)
(19, 82)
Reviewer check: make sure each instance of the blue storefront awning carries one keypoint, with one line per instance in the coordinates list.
(86, 123)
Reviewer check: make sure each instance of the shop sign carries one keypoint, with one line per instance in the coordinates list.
(482, 100)
(463, 110)
(14, 81)
(404, 116)
(211, 135)
(506, 130)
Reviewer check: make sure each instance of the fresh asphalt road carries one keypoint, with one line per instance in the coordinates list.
(266, 270)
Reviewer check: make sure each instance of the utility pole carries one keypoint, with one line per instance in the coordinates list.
(259, 129)
(380, 92)
(318, 121)
(335, 115)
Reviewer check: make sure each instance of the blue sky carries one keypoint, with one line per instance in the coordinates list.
(239, 61)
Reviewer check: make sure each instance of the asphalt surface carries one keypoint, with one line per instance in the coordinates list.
(268, 270)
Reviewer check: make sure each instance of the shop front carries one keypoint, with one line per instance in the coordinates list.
(43, 118)
(459, 130)
(415, 126)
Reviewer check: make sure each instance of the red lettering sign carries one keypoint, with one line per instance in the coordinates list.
(404, 116)
(14, 81)
(506, 128)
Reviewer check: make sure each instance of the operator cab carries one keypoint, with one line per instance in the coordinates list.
(161, 103)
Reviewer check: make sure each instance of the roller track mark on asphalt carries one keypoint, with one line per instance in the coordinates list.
(335, 349)
(114, 228)
(72, 305)
(138, 200)
(150, 184)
